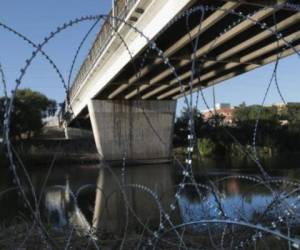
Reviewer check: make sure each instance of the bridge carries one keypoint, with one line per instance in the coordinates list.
(128, 85)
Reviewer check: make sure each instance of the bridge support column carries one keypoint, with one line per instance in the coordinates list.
(139, 130)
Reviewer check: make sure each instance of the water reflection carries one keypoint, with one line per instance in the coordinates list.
(119, 190)
(61, 209)
(112, 198)
(236, 207)
(56, 206)
(106, 197)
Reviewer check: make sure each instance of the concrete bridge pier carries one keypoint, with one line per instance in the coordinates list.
(140, 130)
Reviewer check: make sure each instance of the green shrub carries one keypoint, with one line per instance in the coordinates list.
(206, 146)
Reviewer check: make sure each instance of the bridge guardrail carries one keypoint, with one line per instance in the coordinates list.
(121, 10)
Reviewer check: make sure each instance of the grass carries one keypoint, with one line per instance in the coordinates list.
(27, 236)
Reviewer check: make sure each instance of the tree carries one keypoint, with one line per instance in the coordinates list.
(245, 118)
(28, 110)
(181, 128)
(292, 115)
(248, 115)
(215, 120)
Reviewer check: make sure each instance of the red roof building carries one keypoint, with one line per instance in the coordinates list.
(222, 109)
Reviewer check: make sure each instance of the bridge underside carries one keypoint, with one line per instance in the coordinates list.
(228, 45)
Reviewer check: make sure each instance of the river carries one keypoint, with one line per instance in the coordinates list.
(150, 191)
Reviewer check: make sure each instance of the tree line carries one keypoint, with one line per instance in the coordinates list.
(29, 109)
(274, 127)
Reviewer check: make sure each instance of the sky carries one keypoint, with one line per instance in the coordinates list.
(35, 19)
(251, 87)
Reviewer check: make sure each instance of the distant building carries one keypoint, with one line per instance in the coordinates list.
(281, 107)
(222, 109)
(226, 111)
(220, 106)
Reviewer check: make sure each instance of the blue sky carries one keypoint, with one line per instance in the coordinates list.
(251, 86)
(36, 18)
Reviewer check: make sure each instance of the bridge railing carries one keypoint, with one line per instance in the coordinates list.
(121, 10)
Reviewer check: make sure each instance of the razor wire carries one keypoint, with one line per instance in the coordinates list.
(157, 236)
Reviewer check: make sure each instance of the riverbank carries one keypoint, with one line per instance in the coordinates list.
(238, 159)
(207, 147)
(76, 152)
(24, 236)
(42, 152)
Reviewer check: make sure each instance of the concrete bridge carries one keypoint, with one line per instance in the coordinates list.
(121, 85)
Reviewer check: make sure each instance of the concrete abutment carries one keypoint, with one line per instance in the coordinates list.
(139, 130)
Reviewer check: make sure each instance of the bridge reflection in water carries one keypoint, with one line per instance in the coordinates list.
(104, 194)
(105, 207)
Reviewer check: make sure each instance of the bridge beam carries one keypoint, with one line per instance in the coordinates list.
(259, 2)
(139, 130)
(202, 51)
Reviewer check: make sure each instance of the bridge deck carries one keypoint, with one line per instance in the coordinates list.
(229, 45)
